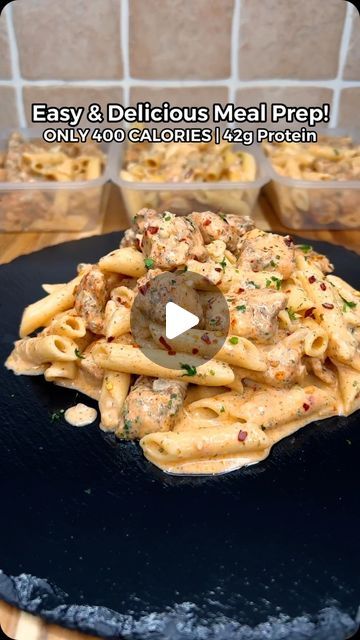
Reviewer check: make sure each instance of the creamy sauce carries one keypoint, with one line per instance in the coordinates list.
(20, 366)
(225, 464)
(80, 415)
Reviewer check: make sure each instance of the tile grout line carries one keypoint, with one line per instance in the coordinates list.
(343, 50)
(234, 61)
(15, 66)
(124, 30)
(135, 82)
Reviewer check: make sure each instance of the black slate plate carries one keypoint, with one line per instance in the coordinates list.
(271, 551)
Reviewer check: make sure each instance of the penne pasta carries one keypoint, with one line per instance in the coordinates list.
(276, 344)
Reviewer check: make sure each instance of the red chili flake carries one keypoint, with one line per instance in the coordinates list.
(135, 346)
(306, 406)
(195, 351)
(242, 435)
(206, 338)
(309, 312)
(312, 279)
(328, 305)
(288, 241)
(218, 269)
(110, 338)
(323, 286)
(143, 289)
(152, 230)
(207, 222)
(240, 290)
(168, 348)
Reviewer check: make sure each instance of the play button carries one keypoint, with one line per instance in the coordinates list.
(178, 320)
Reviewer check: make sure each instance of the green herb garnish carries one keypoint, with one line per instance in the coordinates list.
(241, 307)
(348, 304)
(223, 264)
(291, 314)
(305, 248)
(234, 339)
(190, 370)
(149, 263)
(57, 415)
(274, 280)
(79, 354)
(222, 409)
(167, 218)
(253, 284)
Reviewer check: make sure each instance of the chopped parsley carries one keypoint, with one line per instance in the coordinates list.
(291, 314)
(241, 307)
(223, 264)
(149, 263)
(127, 428)
(79, 354)
(234, 339)
(253, 284)
(167, 218)
(336, 152)
(57, 415)
(222, 409)
(273, 264)
(274, 280)
(305, 248)
(348, 304)
(190, 370)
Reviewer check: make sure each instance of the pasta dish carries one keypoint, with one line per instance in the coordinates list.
(34, 162)
(329, 159)
(189, 164)
(310, 191)
(290, 356)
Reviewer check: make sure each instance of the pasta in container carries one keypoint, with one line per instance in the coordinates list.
(183, 177)
(289, 355)
(51, 187)
(316, 185)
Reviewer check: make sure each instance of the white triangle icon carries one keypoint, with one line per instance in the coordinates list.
(178, 320)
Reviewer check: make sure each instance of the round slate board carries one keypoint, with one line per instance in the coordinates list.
(121, 550)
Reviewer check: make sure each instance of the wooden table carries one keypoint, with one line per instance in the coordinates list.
(20, 625)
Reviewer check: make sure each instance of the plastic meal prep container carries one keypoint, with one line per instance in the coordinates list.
(315, 204)
(53, 206)
(184, 197)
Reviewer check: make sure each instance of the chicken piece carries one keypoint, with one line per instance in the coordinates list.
(228, 228)
(285, 366)
(263, 251)
(91, 296)
(152, 405)
(214, 317)
(171, 240)
(254, 314)
(133, 236)
(156, 289)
